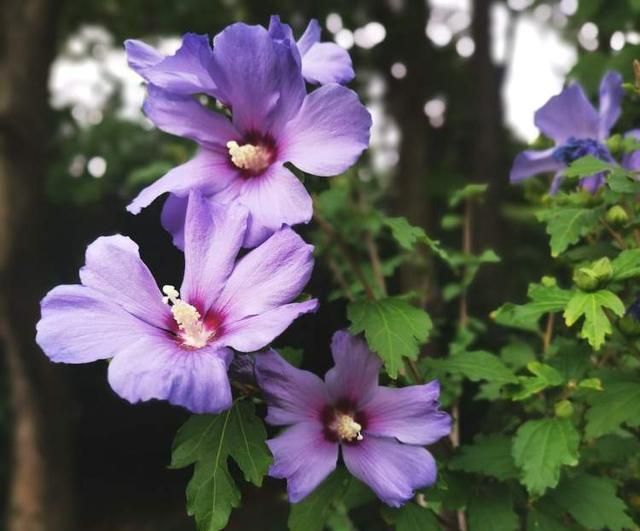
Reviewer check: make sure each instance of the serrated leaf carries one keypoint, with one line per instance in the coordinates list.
(544, 376)
(593, 502)
(477, 365)
(394, 329)
(623, 183)
(468, 192)
(490, 456)
(591, 306)
(492, 511)
(567, 224)
(626, 265)
(541, 448)
(412, 517)
(408, 236)
(587, 166)
(617, 404)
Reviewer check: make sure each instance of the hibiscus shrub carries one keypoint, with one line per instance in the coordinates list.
(558, 445)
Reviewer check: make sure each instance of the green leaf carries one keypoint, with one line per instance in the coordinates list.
(292, 355)
(208, 441)
(623, 183)
(489, 455)
(626, 265)
(468, 192)
(477, 365)
(492, 511)
(566, 225)
(544, 376)
(408, 236)
(394, 329)
(591, 305)
(412, 517)
(540, 448)
(587, 166)
(540, 521)
(312, 513)
(593, 502)
(617, 404)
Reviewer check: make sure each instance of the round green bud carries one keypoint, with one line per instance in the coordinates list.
(563, 409)
(585, 279)
(614, 143)
(602, 269)
(617, 216)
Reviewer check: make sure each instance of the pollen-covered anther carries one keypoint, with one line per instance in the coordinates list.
(249, 157)
(346, 428)
(193, 332)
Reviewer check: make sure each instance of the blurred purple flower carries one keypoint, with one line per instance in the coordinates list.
(273, 121)
(178, 347)
(380, 430)
(577, 129)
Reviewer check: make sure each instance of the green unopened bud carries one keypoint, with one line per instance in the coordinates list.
(629, 326)
(614, 143)
(563, 409)
(585, 278)
(617, 216)
(602, 269)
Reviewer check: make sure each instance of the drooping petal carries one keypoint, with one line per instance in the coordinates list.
(213, 238)
(530, 162)
(173, 216)
(303, 457)
(611, 94)
(80, 325)
(329, 133)
(186, 72)
(393, 470)
(326, 62)
(186, 117)
(310, 36)
(355, 374)
(268, 277)
(208, 172)
(114, 268)
(569, 114)
(258, 77)
(155, 367)
(293, 395)
(254, 333)
(409, 414)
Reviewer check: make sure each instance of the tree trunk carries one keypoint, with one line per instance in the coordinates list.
(39, 490)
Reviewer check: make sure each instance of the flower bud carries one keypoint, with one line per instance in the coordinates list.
(617, 215)
(585, 278)
(614, 143)
(563, 409)
(602, 269)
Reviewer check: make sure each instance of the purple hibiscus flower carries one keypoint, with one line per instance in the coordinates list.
(380, 430)
(273, 121)
(577, 129)
(176, 347)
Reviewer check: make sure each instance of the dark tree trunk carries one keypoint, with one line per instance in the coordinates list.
(39, 491)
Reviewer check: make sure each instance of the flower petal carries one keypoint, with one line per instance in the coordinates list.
(267, 277)
(326, 62)
(114, 268)
(355, 375)
(213, 238)
(184, 116)
(293, 395)
(310, 36)
(569, 114)
(186, 72)
(155, 367)
(329, 133)
(208, 172)
(611, 94)
(409, 414)
(304, 457)
(254, 333)
(631, 161)
(258, 77)
(173, 216)
(530, 162)
(80, 325)
(393, 470)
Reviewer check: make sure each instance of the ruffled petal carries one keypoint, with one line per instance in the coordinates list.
(355, 375)
(326, 62)
(258, 77)
(213, 238)
(186, 72)
(409, 414)
(254, 333)
(80, 325)
(569, 114)
(530, 162)
(155, 367)
(293, 395)
(184, 116)
(172, 218)
(303, 457)
(393, 470)
(268, 277)
(611, 94)
(114, 268)
(208, 172)
(329, 133)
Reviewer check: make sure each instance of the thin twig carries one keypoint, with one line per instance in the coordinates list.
(376, 265)
(339, 277)
(614, 234)
(548, 332)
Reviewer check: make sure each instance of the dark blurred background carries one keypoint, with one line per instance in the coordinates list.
(452, 86)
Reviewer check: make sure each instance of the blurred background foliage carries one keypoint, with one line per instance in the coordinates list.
(437, 88)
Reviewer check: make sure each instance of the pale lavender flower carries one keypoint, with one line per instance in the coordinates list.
(381, 431)
(258, 78)
(177, 346)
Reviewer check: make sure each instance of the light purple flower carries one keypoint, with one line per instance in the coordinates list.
(177, 347)
(380, 430)
(577, 129)
(273, 121)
